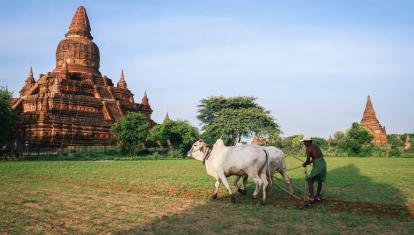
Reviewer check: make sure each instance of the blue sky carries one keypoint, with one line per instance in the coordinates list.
(311, 63)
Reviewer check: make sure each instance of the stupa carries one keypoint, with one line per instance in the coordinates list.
(74, 104)
(370, 121)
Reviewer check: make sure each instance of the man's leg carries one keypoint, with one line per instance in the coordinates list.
(318, 193)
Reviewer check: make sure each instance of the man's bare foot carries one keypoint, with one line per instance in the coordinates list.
(310, 199)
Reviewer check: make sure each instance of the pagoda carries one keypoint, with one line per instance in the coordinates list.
(370, 121)
(407, 143)
(74, 104)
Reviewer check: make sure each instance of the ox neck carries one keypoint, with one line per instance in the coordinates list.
(207, 155)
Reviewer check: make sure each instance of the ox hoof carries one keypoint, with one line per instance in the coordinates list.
(233, 199)
(242, 191)
(263, 202)
(214, 196)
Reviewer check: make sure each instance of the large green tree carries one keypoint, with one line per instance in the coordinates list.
(6, 115)
(180, 134)
(235, 118)
(357, 141)
(131, 132)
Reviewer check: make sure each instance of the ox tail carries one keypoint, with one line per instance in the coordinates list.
(269, 175)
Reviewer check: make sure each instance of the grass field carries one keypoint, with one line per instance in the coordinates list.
(363, 195)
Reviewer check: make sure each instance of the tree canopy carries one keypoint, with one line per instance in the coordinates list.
(180, 134)
(357, 140)
(6, 114)
(235, 118)
(131, 132)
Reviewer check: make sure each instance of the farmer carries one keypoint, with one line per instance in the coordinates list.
(314, 155)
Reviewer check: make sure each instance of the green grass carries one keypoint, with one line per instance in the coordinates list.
(364, 195)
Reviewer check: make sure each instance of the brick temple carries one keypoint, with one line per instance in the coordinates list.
(370, 121)
(74, 104)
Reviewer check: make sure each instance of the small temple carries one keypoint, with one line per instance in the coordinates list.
(74, 104)
(370, 121)
(407, 143)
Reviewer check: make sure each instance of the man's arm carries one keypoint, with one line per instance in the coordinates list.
(308, 158)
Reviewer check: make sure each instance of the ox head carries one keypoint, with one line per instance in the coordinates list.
(198, 150)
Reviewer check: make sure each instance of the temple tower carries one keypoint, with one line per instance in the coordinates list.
(407, 144)
(74, 104)
(370, 121)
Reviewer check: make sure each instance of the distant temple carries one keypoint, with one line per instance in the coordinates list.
(407, 143)
(74, 104)
(370, 121)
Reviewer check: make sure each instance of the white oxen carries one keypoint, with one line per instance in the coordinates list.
(277, 163)
(222, 161)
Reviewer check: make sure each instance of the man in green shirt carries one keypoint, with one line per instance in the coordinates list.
(314, 155)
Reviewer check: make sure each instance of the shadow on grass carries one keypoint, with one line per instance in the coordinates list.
(342, 210)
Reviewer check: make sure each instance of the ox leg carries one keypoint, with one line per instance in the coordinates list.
(288, 180)
(226, 184)
(217, 184)
(258, 183)
(235, 183)
(245, 184)
(263, 177)
(269, 186)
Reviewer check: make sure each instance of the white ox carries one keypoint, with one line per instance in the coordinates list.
(222, 161)
(277, 163)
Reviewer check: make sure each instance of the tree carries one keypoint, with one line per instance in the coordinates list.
(321, 142)
(131, 132)
(235, 118)
(180, 134)
(357, 140)
(292, 144)
(6, 115)
(339, 136)
(210, 107)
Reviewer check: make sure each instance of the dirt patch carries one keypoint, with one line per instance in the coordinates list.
(378, 210)
(374, 209)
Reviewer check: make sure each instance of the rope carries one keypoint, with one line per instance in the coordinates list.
(294, 168)
(300, 190)
(298, 158)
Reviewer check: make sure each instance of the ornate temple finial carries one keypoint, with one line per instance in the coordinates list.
(144, 100)
(28, 83)
(30, 78)
(122, 83)
(167, 117)
(79, 26)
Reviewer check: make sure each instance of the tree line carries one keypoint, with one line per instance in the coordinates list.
(234, 119)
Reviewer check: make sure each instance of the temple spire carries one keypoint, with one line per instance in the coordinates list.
(122, 83)
(167, 117)
(79, 26)
(30, 78)
(407, 144)
(144, 100)
(370, 121)
(369, 113)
